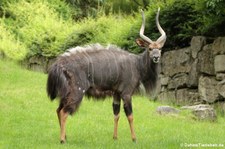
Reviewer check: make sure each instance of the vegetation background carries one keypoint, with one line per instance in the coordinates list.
(49, 27)
(46, 28)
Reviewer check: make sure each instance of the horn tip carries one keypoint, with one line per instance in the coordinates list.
(159, 9)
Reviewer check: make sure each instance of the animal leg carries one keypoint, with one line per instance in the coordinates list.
(116, 111)
(58, 114)
(63, 116)
(130, 119)
(128, 111)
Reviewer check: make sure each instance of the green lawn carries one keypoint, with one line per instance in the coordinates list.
(28, 120)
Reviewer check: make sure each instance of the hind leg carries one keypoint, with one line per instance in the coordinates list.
(58, 112)
(116, 111)
(62, 121)
(71, 106)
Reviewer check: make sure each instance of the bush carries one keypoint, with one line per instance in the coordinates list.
(104, 30)
(47, 28)
(180, 21)
(39, 27)
(212, 17)
(9, 45)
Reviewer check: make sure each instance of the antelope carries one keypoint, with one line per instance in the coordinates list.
(99, 71)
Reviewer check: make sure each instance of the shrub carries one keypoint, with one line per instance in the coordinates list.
(103, 29)
(180, 22)
(39, 27)
(212, 17)
(9, 45)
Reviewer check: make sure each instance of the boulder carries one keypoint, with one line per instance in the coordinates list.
(202, 112)
(220, 108)
(221, 88)
(50, 62)
(197, 42)
(220, 76)
(219, 63)
(164, 80)
(177, 61)
(207, 89)
(37, 64)
(165, 110)
(187, 97)
(178, 81)
(219, 46)
(206, 60)
(167, 97)
(192, 80)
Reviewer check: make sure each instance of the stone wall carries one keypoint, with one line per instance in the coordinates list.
(194, 74)
(40, 64)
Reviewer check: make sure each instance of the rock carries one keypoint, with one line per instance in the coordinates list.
(187, 97)
(206, 60)
(37, 67)
(180, 97)
(195, 107)
(207, 89)
(37, 60)
(219, 63)
(221, 88)
(202, 112)
(220, 106)
(50, 62)
(165, 110)
(219, 46)
(37, 64)
(197, 42)
(164, 80)
(192, 80)
(220, 76)
(178, 81)
(177, 61)
(167, 97)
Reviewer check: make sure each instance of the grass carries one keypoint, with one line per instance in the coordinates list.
(28, 120)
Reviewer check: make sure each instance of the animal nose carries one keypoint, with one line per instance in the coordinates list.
(156, 59)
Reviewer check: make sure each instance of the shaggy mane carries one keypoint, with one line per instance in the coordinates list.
(91, 48)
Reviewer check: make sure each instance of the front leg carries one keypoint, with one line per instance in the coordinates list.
(129, 113)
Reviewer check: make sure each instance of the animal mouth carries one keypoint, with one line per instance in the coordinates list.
(156, 60)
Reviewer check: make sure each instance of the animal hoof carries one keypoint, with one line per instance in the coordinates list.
(134, 140)
(115, 138)
(62, 141)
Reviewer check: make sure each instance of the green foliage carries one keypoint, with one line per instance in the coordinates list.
(9, 45)
(49, 27)
(39, 26)
(104, 29)
(212, 17)
(180, 21)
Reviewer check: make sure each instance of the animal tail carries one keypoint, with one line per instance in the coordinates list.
(57, 84)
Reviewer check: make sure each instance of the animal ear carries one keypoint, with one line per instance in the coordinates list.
(141, 43)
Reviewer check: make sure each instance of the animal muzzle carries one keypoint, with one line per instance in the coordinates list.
(156, 59)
